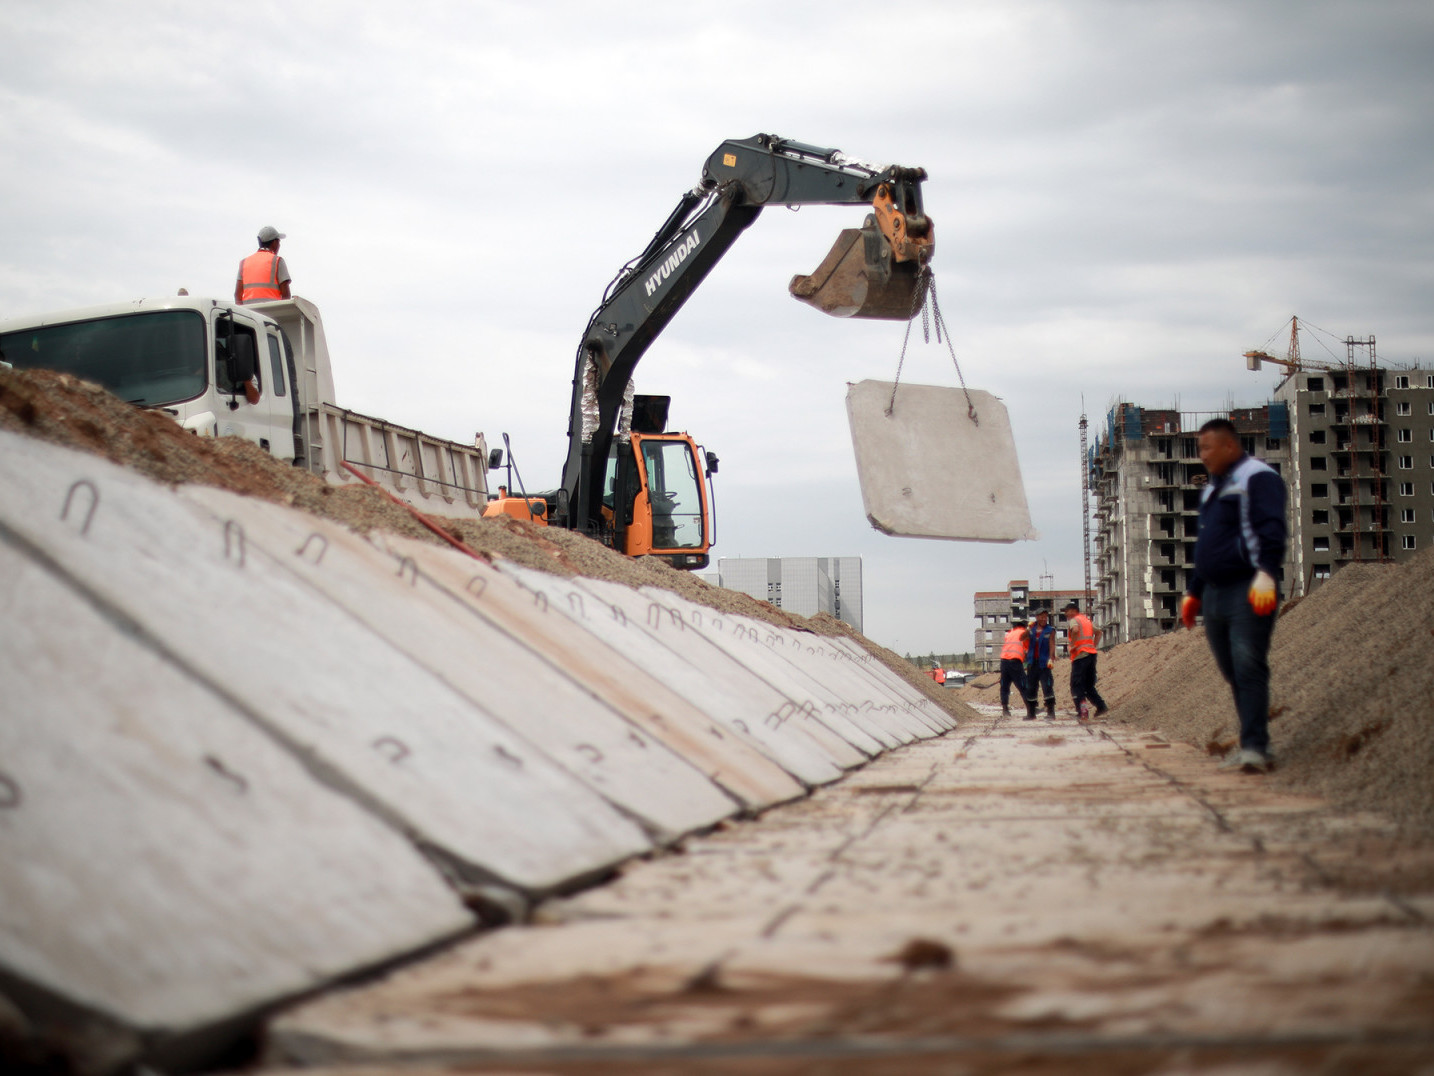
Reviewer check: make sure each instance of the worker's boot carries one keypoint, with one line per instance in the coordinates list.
(1050, 709)
(1030, 710)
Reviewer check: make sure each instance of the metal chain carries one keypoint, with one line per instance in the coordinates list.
(930, 315)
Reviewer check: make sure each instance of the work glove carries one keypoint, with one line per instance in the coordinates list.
(1262, 594)
(1189, 610)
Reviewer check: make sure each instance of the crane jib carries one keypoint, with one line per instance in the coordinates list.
(676, 258)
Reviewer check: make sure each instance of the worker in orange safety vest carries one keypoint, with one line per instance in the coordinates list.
(1083, 637)
(263, 275)
(1013, 667)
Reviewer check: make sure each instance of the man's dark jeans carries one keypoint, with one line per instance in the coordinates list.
(1083, 681)
(1012, 672)
(1039, 678)
(1240, 641)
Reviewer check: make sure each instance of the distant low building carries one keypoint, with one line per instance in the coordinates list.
(801, 585)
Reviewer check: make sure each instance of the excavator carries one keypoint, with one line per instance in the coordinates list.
(628, 481)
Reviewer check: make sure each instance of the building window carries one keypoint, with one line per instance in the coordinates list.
(1401, 381)
(1321, 543)
(1321, 571)
(1319, 463)
(1319, 489)
(1406, 463)
(1404, 436)
(1320, 517)
(1315, 384)
(1403, 407)
(1406, 489)
(1429, 384)
(1407, 541)
(1316, 410)
(1317, 437)
(1406, 515)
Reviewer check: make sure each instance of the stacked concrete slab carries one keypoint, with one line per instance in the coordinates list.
(245, 753)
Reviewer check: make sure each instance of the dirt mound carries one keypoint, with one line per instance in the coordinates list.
(68, 411)
(1351, 676)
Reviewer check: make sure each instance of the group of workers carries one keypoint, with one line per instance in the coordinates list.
(1028, 655)
(1239, 551)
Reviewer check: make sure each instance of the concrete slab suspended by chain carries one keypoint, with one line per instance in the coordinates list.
(937, 462)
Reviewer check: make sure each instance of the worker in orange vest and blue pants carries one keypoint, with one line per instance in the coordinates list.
(1013, 667)
(263, 275)
(1083, 637)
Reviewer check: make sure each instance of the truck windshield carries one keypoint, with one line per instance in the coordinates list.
(676, 491)
(151, 358)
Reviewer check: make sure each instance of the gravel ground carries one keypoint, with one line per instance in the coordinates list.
(1352, 681)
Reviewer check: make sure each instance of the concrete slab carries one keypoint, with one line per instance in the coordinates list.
(165, 867)
(365, 719)
(788, 704)
(727, 759)
(789, 656)
(865, 660)
(534, 696)
(1054, 896)
(738, 702)
(928, 470)
(860, 664)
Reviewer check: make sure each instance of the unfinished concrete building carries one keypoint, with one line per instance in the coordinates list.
(1363, 481)
(1146, 477)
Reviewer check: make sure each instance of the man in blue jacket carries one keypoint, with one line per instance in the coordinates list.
(1039, 660)
(1239, 551)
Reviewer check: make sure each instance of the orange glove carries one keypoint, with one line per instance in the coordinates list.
(1189, 610)
(1262, 594)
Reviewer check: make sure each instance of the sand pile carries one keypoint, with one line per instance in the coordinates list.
(68, 411)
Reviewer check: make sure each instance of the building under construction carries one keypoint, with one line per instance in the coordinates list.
(1353, 440)
(1146, 477)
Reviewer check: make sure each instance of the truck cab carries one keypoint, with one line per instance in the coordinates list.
(217, 369)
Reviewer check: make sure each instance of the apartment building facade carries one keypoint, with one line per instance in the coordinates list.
(1363, 487)
(801, 585)
(1353, 441)
(1146, 476)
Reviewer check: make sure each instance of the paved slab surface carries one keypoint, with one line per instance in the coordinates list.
(1010, 897)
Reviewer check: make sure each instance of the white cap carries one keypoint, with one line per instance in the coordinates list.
(269, 233)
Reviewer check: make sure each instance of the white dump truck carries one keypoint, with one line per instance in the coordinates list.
(259, 371)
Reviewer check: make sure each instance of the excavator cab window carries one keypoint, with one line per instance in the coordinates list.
(674, 487)
(621, 483)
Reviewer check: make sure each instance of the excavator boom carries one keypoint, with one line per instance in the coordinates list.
(872, 272)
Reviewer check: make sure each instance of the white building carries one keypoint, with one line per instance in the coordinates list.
(801, 585)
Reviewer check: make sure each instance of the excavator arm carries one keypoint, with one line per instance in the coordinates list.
(871, 272)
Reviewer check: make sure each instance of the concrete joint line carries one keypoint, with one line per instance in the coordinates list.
(1221, 822)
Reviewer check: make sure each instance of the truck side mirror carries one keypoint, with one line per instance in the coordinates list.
(711, 462)
(495, 459)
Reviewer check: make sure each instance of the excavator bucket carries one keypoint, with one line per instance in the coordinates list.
(859, 279)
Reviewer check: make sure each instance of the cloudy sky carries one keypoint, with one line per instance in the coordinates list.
(1127, 196)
